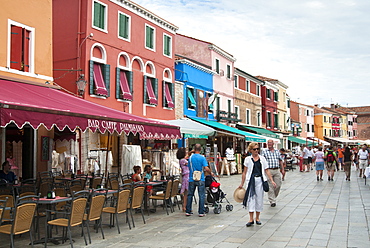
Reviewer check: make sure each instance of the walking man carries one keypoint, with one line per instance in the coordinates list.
(363, 158)
(274, 161)
(197, 162)
(305, 153)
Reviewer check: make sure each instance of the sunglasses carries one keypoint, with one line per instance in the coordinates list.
(255, 149)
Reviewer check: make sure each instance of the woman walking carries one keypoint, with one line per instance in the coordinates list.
(319, 163)
(254, 174)
(347, 163)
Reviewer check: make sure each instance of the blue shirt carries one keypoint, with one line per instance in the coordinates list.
(10, 177)
(197, 162)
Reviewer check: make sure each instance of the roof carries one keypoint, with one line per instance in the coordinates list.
(261, 131)
(320, 110)
(359, 110)
(331, 110)
(249, 75)
(179, 57)
(266, 79)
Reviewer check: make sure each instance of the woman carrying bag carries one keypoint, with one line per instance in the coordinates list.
(254, 177)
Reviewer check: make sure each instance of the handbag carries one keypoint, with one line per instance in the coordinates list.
(265, 184)
(196, 174)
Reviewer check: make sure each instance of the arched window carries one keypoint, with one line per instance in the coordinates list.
(99, 83)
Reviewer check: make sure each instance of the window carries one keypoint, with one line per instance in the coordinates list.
(100, 16)
(324, 118)
(258, 118)
(307, 127)
(167, 45)
(236, 84)
(276, 96)
(20, 46)
(237, 111)
(288, 103)
(124, 26)
(307, 112)
(190, 99)
(99, 79)
(258, 89)
(124, 81)
(168, 99)
(354, 133)
(217, 65)
(276, 121)
(268, 93)
(149, 37)
(313, 128)
(228, 71)
(247, 85)
(268, 119)
(325, 133)
(329, 132)
(247, 116)
(150, 90)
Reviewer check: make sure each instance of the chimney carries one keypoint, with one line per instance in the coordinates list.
(332, 106)
(316, 105)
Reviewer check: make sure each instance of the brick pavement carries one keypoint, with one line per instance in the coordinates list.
(308, 214)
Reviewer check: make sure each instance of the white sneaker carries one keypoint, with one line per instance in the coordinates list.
(202, 215)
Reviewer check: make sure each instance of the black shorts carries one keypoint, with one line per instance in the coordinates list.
(309, 160)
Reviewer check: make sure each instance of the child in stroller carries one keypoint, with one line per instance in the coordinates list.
(214, 197)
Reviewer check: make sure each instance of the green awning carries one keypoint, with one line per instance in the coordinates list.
(248, 136)
(191, 98)
(262, 131)
(296, 140)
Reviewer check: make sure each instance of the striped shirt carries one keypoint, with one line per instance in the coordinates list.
(273, 158)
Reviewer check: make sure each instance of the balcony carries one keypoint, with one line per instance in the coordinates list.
(227, 116)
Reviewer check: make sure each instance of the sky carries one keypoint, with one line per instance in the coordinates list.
(320, 49)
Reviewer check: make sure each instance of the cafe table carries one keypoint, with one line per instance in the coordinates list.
(147, 185)
(49, 205)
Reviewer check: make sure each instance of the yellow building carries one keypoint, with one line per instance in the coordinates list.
(323, 123)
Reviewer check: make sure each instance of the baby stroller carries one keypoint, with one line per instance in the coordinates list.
(214, 197)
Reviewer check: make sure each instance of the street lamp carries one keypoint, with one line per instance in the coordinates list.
(81, 83)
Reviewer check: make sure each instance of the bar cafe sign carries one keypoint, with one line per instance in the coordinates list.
(113, 126)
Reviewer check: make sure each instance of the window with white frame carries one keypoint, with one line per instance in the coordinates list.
(236, 81)
(149, 37)
(124, 26)
(191, 103)
(100, 15)
(268, 93)
(124, 82)
(150, 90)
(167, 45)
(247, 85)
(99, 73)
(268, 119)
(168, 93)
(21, 47)
(258, 90)
(258, 118)
(217, 66)
(248, 116)
(228, 71)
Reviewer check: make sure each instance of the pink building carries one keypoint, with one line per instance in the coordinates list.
(122, 51)
(222, 63)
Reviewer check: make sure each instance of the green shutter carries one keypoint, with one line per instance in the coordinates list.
(130, 76)
(149, 38)
(145, 77)
(155, 81)
(96, 14)
(91, 81)
(102, 16)
(276, 96)
(123, 26)
(167, 45)
(118, 87)
(106, 75)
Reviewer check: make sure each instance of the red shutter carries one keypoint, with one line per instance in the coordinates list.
(16, 48)
(26, 50)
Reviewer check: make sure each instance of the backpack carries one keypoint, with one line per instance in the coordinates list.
(330, 158)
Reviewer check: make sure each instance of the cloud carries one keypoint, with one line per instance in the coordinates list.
(320, 49)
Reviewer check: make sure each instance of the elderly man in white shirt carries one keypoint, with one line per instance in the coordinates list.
(363, 158)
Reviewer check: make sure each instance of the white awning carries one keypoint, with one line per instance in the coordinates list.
(191, 129)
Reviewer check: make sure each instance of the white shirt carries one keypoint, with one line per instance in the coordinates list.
(305, 153)
(363, 154)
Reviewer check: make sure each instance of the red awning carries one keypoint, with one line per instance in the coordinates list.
(37, 105)
(99, 81)
(126, 93)
(168, 97)
(150, 91)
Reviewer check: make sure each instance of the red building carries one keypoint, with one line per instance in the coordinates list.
(269, 98)
(123, 52)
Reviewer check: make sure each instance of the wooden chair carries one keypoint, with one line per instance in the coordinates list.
(164, 196)
(6, 215)
(75, 185)
(27, 189)
(2, 208)
(96, 181)
(74, 217)
(137, 202)
(22, 218)
(120, 207)
(83, 179)
(95, 210)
